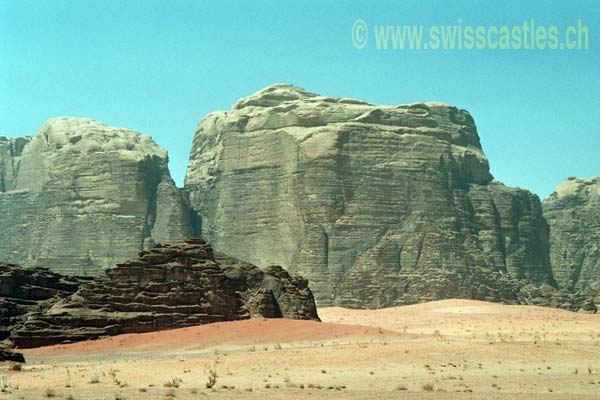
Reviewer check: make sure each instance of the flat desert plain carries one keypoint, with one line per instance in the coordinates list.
(453, 349)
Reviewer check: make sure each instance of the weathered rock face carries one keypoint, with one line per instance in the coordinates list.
(170, 286)
(375, 205)
(573, 213)
(80, 196)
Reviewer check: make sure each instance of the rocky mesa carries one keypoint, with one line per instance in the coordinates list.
(376, 205)
(80, 196)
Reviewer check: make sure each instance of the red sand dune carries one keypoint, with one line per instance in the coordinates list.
(247, 332)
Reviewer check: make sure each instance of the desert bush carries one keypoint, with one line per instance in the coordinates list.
(211, 373)
(173, 383)
(94, 377)
(16, 367)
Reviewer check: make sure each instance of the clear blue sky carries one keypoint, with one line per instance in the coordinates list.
(160, 66)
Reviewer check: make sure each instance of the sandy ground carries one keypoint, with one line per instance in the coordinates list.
(454, 349)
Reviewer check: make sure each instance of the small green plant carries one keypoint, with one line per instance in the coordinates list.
(16, 367)
(68, 382)
(94, 377)
(428, 387)
(173, 383)
(211, 373)
(3, 384)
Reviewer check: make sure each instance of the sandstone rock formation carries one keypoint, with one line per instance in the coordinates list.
(25, 290)
(170, 286)
(80, 196)
(573, 213)
(376, 205)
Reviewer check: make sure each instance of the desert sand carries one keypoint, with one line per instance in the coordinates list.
(452, 349)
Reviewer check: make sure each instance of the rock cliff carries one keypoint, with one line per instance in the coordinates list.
(80, 196)
(376, 205)
(573, 213)
(170, 286)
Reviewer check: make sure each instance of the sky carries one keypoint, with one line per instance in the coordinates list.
(159, 67)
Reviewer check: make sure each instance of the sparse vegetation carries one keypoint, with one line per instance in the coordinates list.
(16, 367)
(428, 387)
(68, 382)
(50, 392)
(211, 374)
(94, 377)
(3, 384)
(173, 383)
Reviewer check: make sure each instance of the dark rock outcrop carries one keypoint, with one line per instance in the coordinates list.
(79, 196)
(376, 205)
(7, 354)
(25, 290)
(171, 286)
(573, 213)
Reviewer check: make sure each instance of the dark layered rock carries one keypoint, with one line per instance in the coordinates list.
(376, 205)
(171, 286)
(26, 290)
(80, 196)
(7, 354)
(573, 213)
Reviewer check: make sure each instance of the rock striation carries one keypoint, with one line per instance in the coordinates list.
(80, 196)
(170, 286)
(573, 213)
(376, 205)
